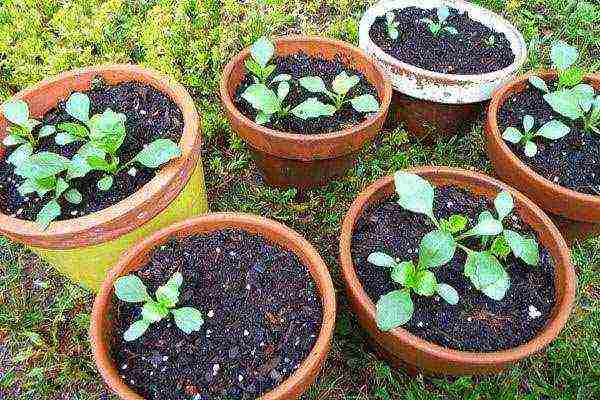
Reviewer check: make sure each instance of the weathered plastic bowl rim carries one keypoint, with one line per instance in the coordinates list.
(190, 143)
(437, 76)
(323, 137)
(494, 131)
(540, 341)
(100, 349)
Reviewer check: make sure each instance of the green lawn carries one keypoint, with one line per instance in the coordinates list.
(43, 318)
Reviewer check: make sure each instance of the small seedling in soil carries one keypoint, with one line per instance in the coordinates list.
(437, 28)
(131, 289)
(20, 131)
(552, 130)
(313, 108)
(438, 247)
(563, 59)
(578, 103)
(103, 135)
(491, 41)
(265, 100)
(392, 25)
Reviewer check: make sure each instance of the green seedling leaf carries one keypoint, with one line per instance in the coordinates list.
(403, 272)
(262, 98)
(78, 107)
(313, 84)
(262, 51)
(565, 103)
(107, 130)
(13, 140)
(451, 30)
(487, 274)
(47, 214)
(500, 247)
(42, 165)
(443, 13)
(313, 108)
(188, 319)
(97, 163)
(262, 118)
(525, 249)
(131, 289)
(366, 103)
(73, 129)
(79, 165)
(562, 55)
(254, 67)
(17, 112)
(282, 78)
(528, 123)
(153, 311)
(47, 130)
(105, 183)
(381, 259)
(61, 187)
(486, 227)
(394, 309)
(448, 293)
(158, 153)
(512, 135)
(436, 248)
(283, 89)
(20, 155)
(504, 204)
(425, 283)
(28, 187)
(64, 138)
(530, 149)
(414, 193)
(539, 83)
(136, 330)
(168, 294)
(553, 129)
(456, 223)
(343, 83)
(73, 196)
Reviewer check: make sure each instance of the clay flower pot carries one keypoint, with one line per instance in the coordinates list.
(85, 248)
(136, 257)
(404, 349)
(578, 214)
(304, 161)
(432, 103)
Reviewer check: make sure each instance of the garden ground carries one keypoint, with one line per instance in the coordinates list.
(44, 352)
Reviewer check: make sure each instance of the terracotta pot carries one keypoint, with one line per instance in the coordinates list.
(299, 381)
(578, 213)
(405, 349)
(435, 104)
(84, 248)
(304, 161)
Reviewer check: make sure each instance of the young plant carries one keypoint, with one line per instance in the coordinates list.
(578, 103)
(103, 135)
(392, 25)
(491, 41)
(552, 130)
(20, 131)
(41, 172)
(482, 267)
(563, 59)
(313, 108)
(131, 289)
(441, 26)
(261, 53)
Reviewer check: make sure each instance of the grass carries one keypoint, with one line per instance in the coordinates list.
(43, 318)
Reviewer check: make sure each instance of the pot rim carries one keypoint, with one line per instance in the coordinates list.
(542, 339)
(493, 133)
(462, 5)
(216, 221)
(385, 97)
(131, 212)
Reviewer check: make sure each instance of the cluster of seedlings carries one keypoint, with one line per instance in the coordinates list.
(436, 28)
(50, 175)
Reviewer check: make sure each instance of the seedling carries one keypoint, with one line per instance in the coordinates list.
(104, 134)
(441, 26)
(261, 53)
(563, 59)
(491, 41)
(392, 25)
(313, 108)
(20, 131)
(131, 289)
(578, 103)
(552, 130)
(438, 247)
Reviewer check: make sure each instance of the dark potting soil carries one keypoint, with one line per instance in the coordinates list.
(476, 323)
(150, 115)
(572, 162)
(465, 53)
(262, 315)
(301, 65)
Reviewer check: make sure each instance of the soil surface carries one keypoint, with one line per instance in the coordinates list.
(572, 161)
(464, 54)
(150, 115)
(301, 65)
(262, 315)
(476, 323)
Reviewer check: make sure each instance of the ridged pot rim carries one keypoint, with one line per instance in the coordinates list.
(493, 134)
(316, 139)
(403, 337)
(140, 207)
(486, 82)
(276, 233)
